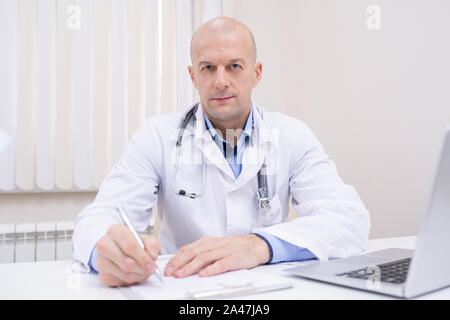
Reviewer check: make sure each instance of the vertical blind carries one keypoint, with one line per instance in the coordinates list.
(79, 77)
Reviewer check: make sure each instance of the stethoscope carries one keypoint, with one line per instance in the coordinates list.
(262, 194)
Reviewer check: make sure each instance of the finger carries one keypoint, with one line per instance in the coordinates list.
(182, 257)
(199, 262)
(218, 267)
(106, 274)
(186, 253)
(110, 280)
(110, 271)
(108, 249)
(151, 245)
(126, 241)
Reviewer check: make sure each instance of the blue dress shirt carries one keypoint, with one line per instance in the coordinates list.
(280, 250)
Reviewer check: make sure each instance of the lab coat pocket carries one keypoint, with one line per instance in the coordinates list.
(272, 215)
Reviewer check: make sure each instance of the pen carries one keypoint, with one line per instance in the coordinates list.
(130, 226)
(249, 288)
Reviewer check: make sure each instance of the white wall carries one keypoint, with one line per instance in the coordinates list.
(378, 100)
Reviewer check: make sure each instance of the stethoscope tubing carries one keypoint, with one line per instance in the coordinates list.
(263, 192)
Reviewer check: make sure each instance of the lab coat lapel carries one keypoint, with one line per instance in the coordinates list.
(210, 150)
(252, 161)
(260, 148)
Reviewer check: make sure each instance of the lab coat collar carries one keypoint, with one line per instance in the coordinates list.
(260, 130)
(261, 145)
(260, 149)
(204, 141)
(246, 131)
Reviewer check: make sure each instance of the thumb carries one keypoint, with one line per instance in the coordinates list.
(152, 245)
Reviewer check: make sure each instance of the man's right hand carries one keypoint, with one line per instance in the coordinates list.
(121, 260)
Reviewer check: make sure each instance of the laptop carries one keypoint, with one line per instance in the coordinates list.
(401, 272)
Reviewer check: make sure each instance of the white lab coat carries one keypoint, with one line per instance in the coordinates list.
(332, 222)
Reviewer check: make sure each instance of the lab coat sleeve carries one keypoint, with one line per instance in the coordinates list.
(333, 221)
(133, 183)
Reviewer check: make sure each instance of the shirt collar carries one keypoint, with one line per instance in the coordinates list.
(247, 130)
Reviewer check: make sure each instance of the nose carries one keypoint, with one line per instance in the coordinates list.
(221, 79)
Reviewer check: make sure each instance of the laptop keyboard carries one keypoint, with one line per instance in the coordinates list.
(392, 272)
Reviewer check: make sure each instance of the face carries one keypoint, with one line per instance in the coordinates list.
(224, 73)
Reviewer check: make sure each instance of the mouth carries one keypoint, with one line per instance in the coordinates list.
(223, 100)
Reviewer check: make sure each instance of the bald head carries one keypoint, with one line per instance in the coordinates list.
(223, 27)
(224, 71)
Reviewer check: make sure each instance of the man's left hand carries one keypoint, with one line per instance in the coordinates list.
(210, 256)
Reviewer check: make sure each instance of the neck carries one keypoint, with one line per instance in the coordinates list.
(230, 130)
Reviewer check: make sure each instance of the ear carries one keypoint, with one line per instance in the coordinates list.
(191, 73)
(257, 74)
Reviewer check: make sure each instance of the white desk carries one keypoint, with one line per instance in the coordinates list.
(53, 280)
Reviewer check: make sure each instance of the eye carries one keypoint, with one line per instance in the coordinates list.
(235, 66)
(207, 68)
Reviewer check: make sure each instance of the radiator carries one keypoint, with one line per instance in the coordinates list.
(45, 241)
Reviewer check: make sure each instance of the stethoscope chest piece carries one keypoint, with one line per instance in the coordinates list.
(262, 195)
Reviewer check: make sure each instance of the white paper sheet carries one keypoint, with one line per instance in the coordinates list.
(177, 288)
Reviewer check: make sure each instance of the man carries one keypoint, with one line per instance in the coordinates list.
(211, 219)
